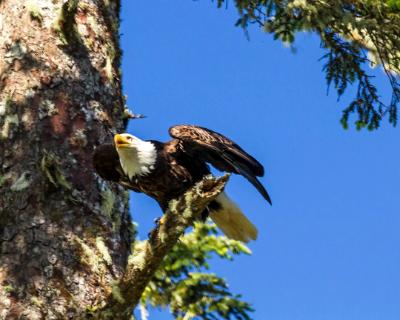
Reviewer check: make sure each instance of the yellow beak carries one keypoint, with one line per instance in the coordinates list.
(120, 141)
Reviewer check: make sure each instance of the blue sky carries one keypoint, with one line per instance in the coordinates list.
(328, 248)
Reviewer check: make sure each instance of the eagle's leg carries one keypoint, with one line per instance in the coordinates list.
(213, 206)
(205, 214)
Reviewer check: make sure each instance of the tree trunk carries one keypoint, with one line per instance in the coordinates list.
(64, 235)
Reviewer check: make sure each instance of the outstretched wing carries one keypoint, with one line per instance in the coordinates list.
(107, 165)
(221, 152)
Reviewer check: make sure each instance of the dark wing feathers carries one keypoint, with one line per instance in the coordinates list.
(216, 142)
(221, 152)
(240, 169)
(106, 162)
(107, 165)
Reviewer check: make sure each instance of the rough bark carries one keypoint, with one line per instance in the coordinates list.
(65, 235)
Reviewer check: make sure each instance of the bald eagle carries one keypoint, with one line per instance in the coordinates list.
(164, 171)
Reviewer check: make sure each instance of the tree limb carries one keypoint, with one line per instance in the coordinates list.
(147, 255)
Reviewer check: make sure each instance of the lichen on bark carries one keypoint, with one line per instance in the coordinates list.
(60, 253)
(67, 247)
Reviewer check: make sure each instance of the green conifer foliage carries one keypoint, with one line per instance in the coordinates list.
(184, 284)
(356, 35)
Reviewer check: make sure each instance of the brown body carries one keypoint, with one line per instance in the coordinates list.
(181, 162)
(174, 172)
(166, 170)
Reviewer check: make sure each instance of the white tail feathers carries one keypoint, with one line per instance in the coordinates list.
(231, 220)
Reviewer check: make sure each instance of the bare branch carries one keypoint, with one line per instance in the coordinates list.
(148, 255)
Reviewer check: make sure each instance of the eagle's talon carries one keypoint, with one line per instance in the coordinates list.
(205, 214)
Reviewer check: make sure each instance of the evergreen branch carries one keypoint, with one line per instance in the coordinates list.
(347, 30)
(393, 80)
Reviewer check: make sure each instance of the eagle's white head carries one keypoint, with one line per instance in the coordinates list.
(137, 157)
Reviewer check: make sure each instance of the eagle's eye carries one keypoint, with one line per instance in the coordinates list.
(129, 138)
